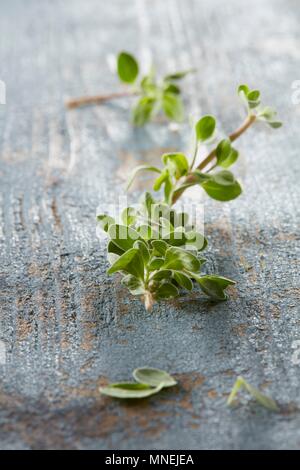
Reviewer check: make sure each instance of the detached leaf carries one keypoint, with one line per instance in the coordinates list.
(205, 128)
(214, 286)
(129, 390)
(130, 262)
(222, 186)
(128, 68)
(173, 107)
(153, 377)
(177, 164)
(262, 399)
(138, 169)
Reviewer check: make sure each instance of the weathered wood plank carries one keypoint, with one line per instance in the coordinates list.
(66, 326)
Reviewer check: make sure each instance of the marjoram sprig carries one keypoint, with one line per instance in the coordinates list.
(157, 250)
(154, 95)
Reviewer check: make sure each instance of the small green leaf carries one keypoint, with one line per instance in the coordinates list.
(226, 154)
(173, 107)
(205, 128)
(166, 291)
(142, 111)
(262, 399)
(130, 262)
(178, 259)
(222, 186)
(159, 246)
(155, 263)
(153, 377)
(164, 176)
(123, 236)
(171, 88)
(275, 124)
(214, 286)
(138, 169)
(143, 249)
(129, 390)
(127, 66)
(129, 216)
(179, 75)
(162, 274)
(177, 164)
(149, 201)
(134, 284)
(183, 280)
(113, 248)
(105, 221)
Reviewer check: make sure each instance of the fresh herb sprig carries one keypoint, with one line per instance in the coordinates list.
(157, 249)
(155, 95)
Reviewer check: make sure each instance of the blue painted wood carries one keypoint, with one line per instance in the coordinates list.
(68, 328)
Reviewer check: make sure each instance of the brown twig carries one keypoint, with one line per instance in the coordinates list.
(97, 99)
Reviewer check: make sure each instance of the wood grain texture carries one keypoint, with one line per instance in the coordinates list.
(69, 328)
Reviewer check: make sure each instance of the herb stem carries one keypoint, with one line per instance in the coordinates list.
(148, 301)
(232, 137)
(97, 99)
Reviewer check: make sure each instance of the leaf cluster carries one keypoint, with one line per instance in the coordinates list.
(155, 95)
(158, 253)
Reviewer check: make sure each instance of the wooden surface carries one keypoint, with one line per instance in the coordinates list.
(69, 328)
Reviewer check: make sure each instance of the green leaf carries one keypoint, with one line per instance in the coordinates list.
(153, 377)
(138, 169)
(166, 291)
(222, 186)
(134, 284)
(179, 75)
(173, 107)
(130, 262)
(196, 239)
(105, 221)
(145, 231)
(155, 263)
(128, 68)
(226, 154)
(214, 286)
(162, 274)
(262, 399)
(205, 128)
(275, 124)
(143, 249)
(171, 88)
(113, 248)
(164, 176)
(129, 216)
(183, 280)
(178, 259)
(177, 164)
(142, 111)
(123, 236)
(149, 86)
(149, 201)
(159, 246)
(129, 390)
